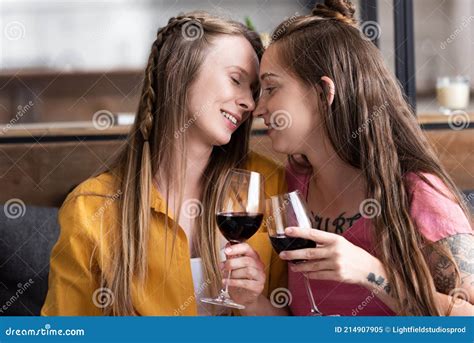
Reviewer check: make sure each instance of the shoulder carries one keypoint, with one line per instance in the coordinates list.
(105, 185)
(89, 203)
(434, 208)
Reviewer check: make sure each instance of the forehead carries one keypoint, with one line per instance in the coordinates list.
(270, 62)
(233, 50)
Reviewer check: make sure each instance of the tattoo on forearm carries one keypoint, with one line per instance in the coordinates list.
(338, 225)
(379, 281)
(442, 269)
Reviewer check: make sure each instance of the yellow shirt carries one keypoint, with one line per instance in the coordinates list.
(86, 219)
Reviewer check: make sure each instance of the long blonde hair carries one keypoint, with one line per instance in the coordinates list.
(154, 144)
(328, 43)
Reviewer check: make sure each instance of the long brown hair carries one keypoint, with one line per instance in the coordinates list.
(391, 145)
(156, 145)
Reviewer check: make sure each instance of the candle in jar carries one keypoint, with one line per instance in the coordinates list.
(453, 93)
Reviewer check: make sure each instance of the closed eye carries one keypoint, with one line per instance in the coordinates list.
(268, 90)
(237, 82)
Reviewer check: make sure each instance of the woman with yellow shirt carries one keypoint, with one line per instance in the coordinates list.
(141, 238)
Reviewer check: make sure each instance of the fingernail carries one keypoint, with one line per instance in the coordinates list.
(228, 250)
(288, 230)
(283, 254)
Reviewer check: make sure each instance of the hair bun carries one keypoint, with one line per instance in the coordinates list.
(341, 10)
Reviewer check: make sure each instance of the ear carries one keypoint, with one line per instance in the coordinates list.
(332, 88)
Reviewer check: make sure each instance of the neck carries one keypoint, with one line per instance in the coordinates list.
(196, 161)
(337, 184)
(197, 158)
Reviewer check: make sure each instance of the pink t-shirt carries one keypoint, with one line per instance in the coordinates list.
(436, 216)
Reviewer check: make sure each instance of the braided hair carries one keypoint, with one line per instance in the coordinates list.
(153, 148)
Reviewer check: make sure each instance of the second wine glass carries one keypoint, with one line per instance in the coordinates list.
(287, 210)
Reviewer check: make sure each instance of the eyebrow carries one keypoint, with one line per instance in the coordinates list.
(240, 68)
(266, 75)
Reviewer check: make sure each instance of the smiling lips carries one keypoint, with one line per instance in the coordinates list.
(229, 116)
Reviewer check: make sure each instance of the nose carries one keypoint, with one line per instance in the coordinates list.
(246, 103)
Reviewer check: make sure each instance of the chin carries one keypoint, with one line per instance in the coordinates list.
(279, 145)
(221, 138)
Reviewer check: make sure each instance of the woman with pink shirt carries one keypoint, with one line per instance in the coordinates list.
(393, 234)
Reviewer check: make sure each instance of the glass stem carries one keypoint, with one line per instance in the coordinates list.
(226, 290)
(314, 309)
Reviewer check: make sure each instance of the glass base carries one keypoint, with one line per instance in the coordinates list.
(315, 314)
(223, 300)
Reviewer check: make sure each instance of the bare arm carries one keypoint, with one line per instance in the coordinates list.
(444, 275)
(443, 270)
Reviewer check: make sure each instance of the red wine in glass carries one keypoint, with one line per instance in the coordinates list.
(237, 227)
(287, 210)
(239, 214)
(283, 243)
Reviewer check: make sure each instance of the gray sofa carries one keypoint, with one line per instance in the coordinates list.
(25, 247)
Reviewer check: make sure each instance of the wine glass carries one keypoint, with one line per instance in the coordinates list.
(239, 214)
(287, 210)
